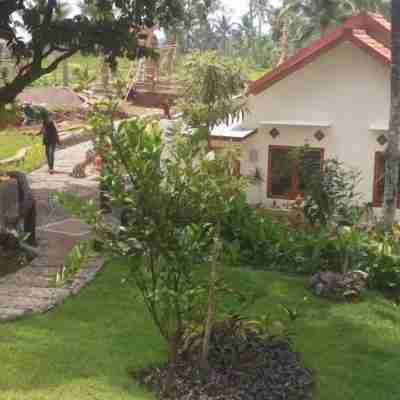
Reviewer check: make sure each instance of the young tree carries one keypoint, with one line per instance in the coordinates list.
(212, 95)
(213, 90)
(172, 196)
(392, 158)
(47, 35)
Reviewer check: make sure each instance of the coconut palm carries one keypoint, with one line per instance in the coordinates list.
(223, 28)
(287, 27)
(258, 9)
(357, 6)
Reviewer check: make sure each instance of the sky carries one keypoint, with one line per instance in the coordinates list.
(239, 7)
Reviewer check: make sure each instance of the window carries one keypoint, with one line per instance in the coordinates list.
(379, 181)
(285, 180)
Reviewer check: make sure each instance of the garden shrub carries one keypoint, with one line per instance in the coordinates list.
(384, 273)
(257, 241)
(330, 197)
(250, 238)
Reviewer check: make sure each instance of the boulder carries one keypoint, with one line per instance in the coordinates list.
(9, 200)
(339, 286)
(17, 204)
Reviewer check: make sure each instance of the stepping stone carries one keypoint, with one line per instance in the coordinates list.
(27, 291)
(7, 313)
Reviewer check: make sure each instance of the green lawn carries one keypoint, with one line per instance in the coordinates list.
(11, 142)
(92, 63)
(257, 72)
(84, 349)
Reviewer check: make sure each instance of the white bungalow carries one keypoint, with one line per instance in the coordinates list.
(334, 96)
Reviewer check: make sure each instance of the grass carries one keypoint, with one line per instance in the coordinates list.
(257, 72)
(92, 63)
(84, 349)
(11, 141)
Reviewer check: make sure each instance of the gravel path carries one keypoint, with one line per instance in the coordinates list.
(33, 288)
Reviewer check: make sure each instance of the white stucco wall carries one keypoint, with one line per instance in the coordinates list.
(346, 87)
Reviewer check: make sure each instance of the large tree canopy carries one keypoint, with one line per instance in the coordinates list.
(40, 38)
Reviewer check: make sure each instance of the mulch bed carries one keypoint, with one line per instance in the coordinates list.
(251, 368)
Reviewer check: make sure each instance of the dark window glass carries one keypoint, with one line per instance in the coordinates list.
(286, 170)
(282, 172)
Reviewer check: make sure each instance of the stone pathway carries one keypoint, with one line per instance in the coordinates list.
(33, 288)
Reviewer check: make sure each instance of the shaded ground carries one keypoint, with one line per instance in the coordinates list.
(12, 261)
(51, 97)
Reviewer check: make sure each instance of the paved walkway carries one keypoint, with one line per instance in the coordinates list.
(33, 288)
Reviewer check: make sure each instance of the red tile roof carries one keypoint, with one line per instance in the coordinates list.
(381, 20)
(362, 38)
(370, 32)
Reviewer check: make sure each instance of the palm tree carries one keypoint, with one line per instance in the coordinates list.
(320, 15)
(392, 155)
(356, 6)
(223, 29)
(91, 11)
(287, 27)
(259, 9)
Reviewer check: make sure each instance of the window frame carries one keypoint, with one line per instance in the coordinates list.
(294, 193)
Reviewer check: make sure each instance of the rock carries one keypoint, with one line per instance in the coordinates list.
(340, 286)
(9, 199)
(17, 204)
(8, 242)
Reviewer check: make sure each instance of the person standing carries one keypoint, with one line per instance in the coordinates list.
(50, 139)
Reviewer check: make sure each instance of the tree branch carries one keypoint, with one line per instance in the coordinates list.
(53, 66)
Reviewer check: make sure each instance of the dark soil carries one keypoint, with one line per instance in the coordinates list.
(11, 261)
(250, 368)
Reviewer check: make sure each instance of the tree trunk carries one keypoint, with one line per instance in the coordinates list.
(10, 91)
(65, 73)
(392, 151)
(212, 306)
(284, 44)
(174, 344)
(105, 75)
(210, 318)
(324, 28)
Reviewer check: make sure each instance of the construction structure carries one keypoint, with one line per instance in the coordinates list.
(153, 84)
